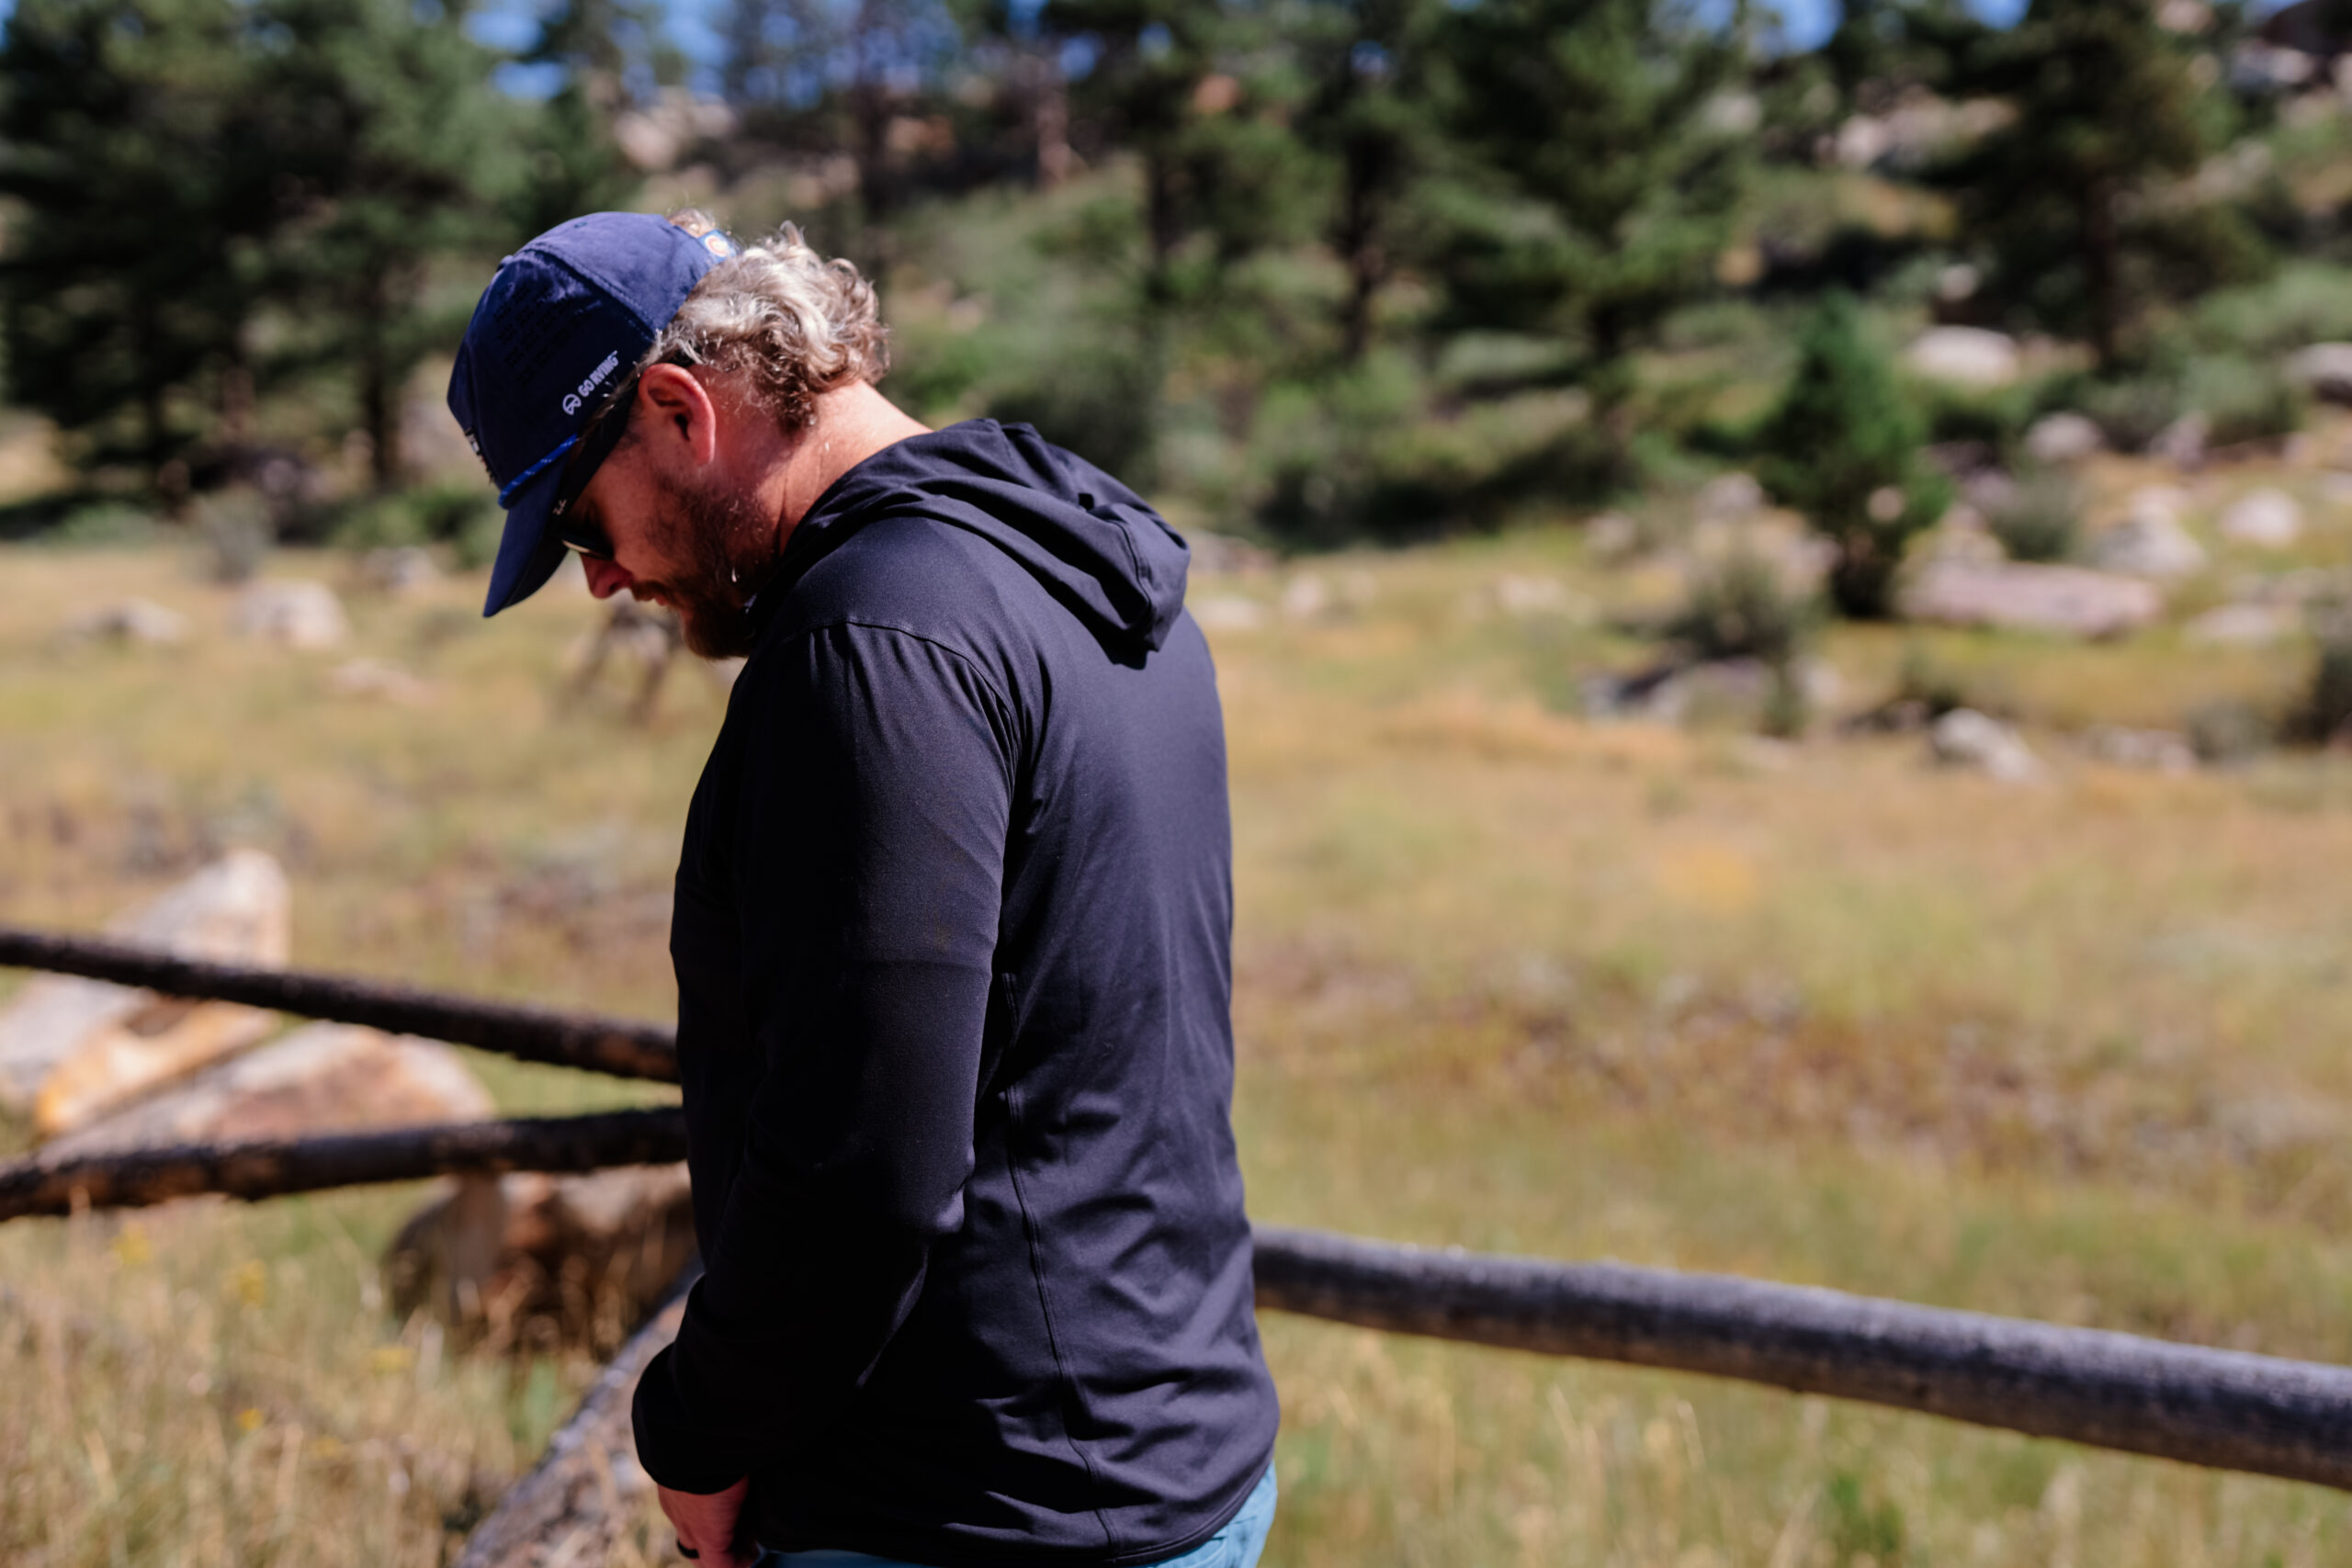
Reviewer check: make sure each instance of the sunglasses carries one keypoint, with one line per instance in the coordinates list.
(596, 441)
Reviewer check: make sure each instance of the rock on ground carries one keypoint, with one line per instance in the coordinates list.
(2063, 438)
(1966, 739)
(2162, 751)
(2069, 600)
(374, 678)
(2245, 625)
(99, 1043)
(1717, 692)
(1729, 497)
(398, 568)
(141, 621)
(546, 1259)
(1972, 357)
(2324, 370)
(2151, 541)
(1228, 612)
(1223, 555)
(2266, 517)
(299, 614)
(322, 1078)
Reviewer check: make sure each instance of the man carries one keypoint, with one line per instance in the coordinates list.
(952, 929)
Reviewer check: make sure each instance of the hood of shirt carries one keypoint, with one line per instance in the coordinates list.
(1094, 544)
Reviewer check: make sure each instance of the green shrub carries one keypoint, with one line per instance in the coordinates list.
(1102, 403)
(2229, 729)
(436, 514)
(2324, 715)
(233, 527)
(1357, 454)
(1740, 607)
(1998, 416)
(2041, 520)
(2304, 303)
(1843, 448)
(2243, 399)
(2132, 411)
(101, 524)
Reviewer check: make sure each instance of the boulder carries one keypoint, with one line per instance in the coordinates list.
(1310, 597)
(2324, 370)
(2068, 599)
(1728, 498)
(298, 615)
(2182, 443)
(1613, 536)
(374, 678)
(1716, 693)
(1966, 739)
(1222, 555)
(70, 1047)
(1524, 596)
(2063, 438)
(322, 1078)
(141, 621)
(2245, 625)
(1228, 612)
(2151, 541)
(1970, 357)
(398, 568)
(2266, 517)
(546, 1260)
(2162, 751)
(1961, 535)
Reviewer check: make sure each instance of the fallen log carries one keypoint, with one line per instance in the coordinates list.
(575, 1502)
(2223, 1409)
(621, 1047)
(275, 1167)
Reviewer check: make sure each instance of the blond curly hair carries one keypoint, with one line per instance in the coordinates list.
(795, 325)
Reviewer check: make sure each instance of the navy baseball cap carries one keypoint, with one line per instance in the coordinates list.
(560, 327)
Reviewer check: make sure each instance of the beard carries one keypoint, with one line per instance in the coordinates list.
(726, 551)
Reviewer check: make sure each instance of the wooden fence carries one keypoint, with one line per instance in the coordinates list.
(2219, 1408)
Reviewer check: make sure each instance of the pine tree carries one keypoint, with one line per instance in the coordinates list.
(1843, 448)
(185, 169)
(391, 148)
(1371, 112)
(1610, 193)
(2079, 197)
(136, 151)
(1193, 88)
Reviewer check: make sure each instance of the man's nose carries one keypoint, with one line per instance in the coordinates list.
(605, 578)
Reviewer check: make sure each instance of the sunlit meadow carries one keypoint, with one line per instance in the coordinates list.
(1506, 979)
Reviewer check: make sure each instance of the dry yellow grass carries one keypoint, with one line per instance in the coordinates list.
(1505, 978)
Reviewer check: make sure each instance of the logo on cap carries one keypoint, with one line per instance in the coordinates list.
(575, 400)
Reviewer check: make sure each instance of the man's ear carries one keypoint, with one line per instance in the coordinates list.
(677, 415)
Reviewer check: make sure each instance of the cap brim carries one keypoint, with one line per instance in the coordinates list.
(529, 551)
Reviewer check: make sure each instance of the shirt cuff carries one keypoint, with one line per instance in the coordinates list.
(670, 1447)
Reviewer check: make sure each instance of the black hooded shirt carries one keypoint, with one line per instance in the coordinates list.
(953, 940)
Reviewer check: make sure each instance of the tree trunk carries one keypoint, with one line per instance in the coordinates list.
(378, 399)
(1164, 219)
(2101, 268)
(1360, 242)
(155, 435)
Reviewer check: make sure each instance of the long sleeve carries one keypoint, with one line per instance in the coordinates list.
(865, 857)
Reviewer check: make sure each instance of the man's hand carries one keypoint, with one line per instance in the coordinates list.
(706, 1523)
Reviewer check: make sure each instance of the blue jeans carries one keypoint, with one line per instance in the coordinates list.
(1235, 1546)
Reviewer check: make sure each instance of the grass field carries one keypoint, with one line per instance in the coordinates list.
(1506, 979)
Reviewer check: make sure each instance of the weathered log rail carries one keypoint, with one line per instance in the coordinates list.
(274, 1167)
(2216, 1408)
(620, 1048)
